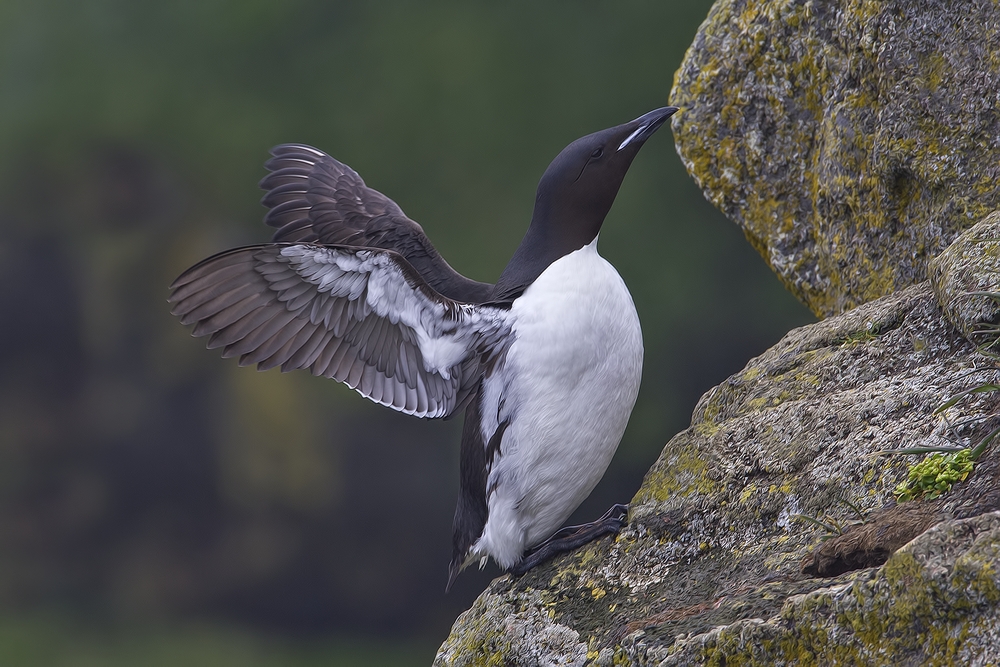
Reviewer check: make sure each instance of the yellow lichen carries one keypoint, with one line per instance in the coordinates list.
(681, 471)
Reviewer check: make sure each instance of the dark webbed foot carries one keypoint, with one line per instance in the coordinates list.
(573, 537)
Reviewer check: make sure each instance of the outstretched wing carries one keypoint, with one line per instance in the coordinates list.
(315, 199)
(361, 316)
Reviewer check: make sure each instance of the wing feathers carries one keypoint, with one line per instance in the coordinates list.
(324, 364)
(292, 344)
(307, 355)
(312, 197)
(263, 354)
(354, 372)
(362, 316)
(257, 338)
(230, 326)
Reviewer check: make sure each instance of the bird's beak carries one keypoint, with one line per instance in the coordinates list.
(644, 126)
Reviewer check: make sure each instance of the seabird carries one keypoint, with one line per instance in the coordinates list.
(546, 363)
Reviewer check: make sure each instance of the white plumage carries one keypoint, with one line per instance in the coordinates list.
(567, 386)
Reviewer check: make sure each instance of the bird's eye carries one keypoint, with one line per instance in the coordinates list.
(598, 152)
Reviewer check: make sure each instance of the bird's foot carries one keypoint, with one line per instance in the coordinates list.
(573, 537)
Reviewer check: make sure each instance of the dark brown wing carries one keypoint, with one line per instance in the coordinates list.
(361, 316)
(313, 198)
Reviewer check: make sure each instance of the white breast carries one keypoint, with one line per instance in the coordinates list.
(567, 387)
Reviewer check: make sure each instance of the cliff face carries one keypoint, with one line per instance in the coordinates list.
(853, 142)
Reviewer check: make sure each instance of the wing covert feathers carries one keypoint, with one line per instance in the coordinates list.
(361, 316)
(313, 198)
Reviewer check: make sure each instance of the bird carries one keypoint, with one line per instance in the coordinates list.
(545, 363)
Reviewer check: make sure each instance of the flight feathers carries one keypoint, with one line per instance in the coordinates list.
(314, 198)
(361, 316)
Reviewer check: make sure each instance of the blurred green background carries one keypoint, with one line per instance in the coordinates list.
(160, 505)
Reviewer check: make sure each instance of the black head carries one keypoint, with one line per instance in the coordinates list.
(574, 196)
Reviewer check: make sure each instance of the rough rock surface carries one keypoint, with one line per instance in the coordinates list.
(936, 601)
(969, 265)
(710, 566)
(851, 140)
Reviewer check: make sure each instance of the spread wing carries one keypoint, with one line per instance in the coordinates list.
(315, 199)
(361, 316)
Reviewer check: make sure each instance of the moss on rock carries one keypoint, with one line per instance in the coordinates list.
(852, 141)
(933, 603)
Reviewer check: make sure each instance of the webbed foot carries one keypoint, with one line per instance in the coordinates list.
(573, 537)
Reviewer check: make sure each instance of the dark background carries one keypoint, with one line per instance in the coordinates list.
(158, 503)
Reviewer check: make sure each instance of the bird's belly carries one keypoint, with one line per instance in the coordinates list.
(567, 387)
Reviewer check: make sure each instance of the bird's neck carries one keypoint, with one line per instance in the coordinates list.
(553, 233)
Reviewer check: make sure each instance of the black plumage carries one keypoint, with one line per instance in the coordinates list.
(313, 198)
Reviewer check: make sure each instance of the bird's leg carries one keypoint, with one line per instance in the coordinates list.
(572, 537)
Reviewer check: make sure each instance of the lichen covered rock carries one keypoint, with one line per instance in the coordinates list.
(513, 631)
(936, 601)
(969, 265)
(711, 562)
(852, 141)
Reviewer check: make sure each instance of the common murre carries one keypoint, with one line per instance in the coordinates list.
(546, 363)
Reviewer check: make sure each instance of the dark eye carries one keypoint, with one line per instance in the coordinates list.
(598, 152)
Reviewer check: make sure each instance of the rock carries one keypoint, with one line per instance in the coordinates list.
(517, 631)
(871, 542)
(971, 264)
(710, 567)
(935, 601)
(852, 141)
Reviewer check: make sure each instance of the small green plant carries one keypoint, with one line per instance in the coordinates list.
(866, 335)
(945, 466)
(935, 475)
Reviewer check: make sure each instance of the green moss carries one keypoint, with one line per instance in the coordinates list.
(479, 647)
(935, 475)
(856, 337)
(711, 411)
(748, 493)
(935, 69)
(621, 658)
(477, 640)
(871, 330)
(984, 584)
(902, 612)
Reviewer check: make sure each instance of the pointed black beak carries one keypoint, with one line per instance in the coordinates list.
(644, 126)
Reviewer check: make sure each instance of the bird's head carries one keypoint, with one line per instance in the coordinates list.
(580, 185)
(574, 196)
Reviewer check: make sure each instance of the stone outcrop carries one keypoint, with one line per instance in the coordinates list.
(852, 141)
(936, 601)
(963, 276)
